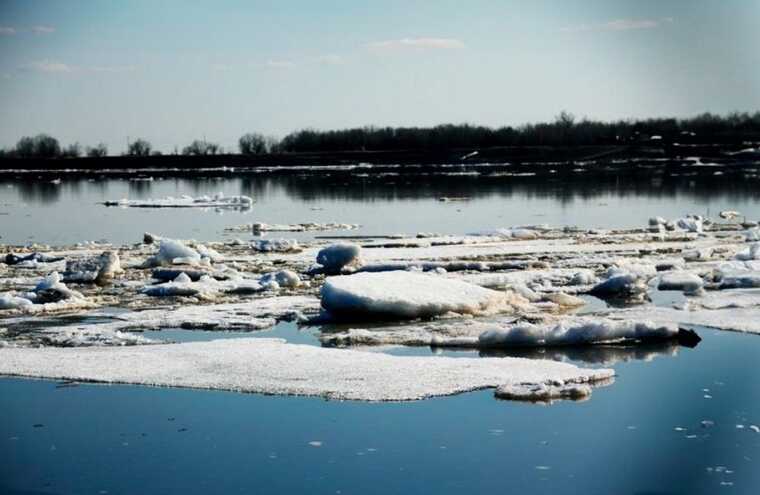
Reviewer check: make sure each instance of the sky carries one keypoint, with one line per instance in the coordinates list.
(172, 71)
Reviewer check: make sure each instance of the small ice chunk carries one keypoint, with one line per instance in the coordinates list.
(729, 214)
(621, 285)
(99, 269)
(172, 251)
(691, 223)
(275, 245)
(687, 282)
(335, 257)
(283, 278)
(183, 286)
(693, 255)
(750, 254)
(526, 292)
(51, 289)
(565, 300)
(583, 278)
(9, 301)
(543, 392)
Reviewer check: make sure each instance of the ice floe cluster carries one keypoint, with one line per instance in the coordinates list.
(538, 293)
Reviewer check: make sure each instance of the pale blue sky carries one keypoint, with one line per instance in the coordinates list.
(173, 71)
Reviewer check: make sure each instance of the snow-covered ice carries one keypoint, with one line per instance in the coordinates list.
(271, 366)
(408, 295)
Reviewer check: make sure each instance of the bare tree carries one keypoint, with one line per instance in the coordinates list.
(97, 151)
(39, 146)
(202, 148)
(253, 144)
(140, 147)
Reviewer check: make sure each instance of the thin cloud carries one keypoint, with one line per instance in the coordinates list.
(280, 64)
(49, 66)
(40, 29)
(619, 25)
(331, 59)
(7, 31)
(113, 68)
(222, 67)
(416, 44)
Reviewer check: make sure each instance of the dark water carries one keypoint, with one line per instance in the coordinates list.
(125, 439)
(35, 210)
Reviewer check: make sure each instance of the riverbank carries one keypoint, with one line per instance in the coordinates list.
(533, 157)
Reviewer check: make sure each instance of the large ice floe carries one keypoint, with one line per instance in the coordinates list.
(408, 295)
(218, 201)
(271, 366)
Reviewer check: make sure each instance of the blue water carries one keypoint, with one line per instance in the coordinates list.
(127, 439)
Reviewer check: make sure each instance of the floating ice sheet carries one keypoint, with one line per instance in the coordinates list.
(271, 366)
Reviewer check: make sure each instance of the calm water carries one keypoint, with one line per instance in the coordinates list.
(643, 434)
(36, 210)
(125, 439)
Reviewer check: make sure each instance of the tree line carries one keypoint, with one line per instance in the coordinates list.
(565, 130)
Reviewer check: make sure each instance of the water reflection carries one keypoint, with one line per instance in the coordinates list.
(605, 355)
(348, 185)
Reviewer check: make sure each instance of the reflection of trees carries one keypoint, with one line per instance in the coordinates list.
(565, 188)
(40, 191)
(387, 185)
(140, 188)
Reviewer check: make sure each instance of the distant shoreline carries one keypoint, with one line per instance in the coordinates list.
(521, 157)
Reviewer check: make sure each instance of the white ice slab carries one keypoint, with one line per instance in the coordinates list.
(271, 366)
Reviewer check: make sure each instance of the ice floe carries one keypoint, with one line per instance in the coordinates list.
(218, 200)
(407, 295)
(271, 366)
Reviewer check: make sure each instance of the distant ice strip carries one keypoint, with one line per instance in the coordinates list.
(219, 200)
(271, 366)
